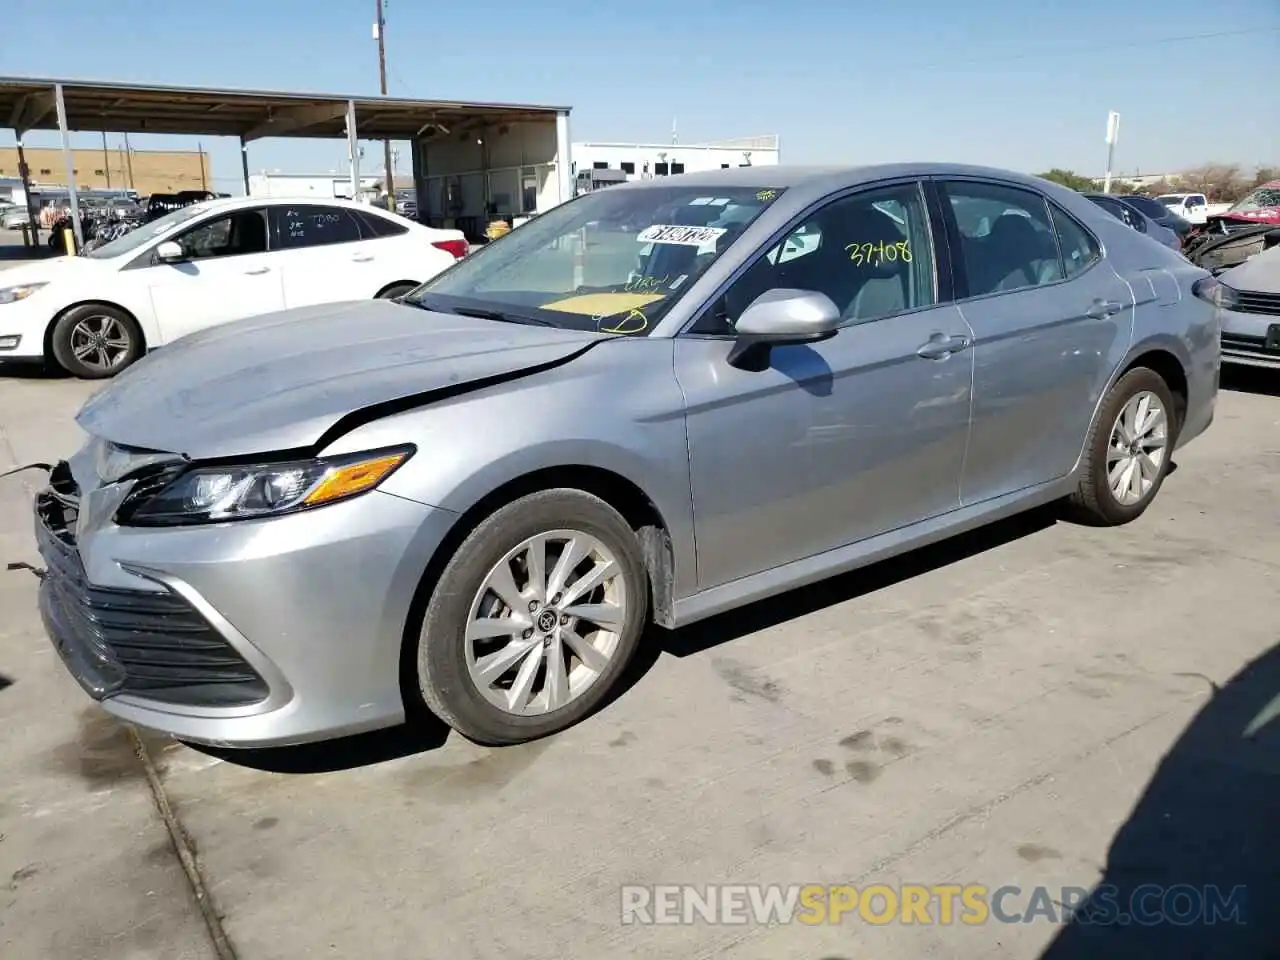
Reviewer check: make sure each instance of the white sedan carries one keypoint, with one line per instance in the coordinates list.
(207, 264)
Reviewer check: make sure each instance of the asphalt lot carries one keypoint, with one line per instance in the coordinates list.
(1032, 705)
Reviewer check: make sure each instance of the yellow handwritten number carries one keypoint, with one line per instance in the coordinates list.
(764, 196)
(875, 254)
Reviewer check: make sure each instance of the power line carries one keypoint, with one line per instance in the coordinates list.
(1096, 48)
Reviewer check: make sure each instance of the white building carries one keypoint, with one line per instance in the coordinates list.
(642, 160)
(322, 186)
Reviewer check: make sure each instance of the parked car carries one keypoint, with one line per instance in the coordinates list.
(313, 522)
(1230, 238)
(1249, 295)
(15, 218)
(1193, 207)
(1135, 219)
(205, 264)
(1157, 211)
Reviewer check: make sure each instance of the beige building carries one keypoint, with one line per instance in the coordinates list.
(147, 171)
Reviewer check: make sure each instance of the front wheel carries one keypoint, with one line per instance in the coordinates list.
(534, 619)
(95, 341)
(1129, 451)
(396, 290)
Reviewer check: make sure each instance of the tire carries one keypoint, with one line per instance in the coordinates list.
(395, 290)
(1095, 502)
(445, 655)
(84, 321)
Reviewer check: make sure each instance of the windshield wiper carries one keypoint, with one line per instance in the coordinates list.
(482, 314)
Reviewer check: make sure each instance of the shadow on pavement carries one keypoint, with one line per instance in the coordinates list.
(1258, 380)
(5, 681)
(16, 252)
(1202, 843)
(31, 370)
(798, 603)
(345, 753)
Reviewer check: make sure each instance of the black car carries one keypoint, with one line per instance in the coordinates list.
(1158, 212)
(1128, 214)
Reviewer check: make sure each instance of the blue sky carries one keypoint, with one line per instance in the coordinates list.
(991, 81)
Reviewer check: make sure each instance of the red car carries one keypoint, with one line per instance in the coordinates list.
(1227, 239)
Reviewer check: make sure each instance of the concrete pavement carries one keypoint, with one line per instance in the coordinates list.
(988, 711)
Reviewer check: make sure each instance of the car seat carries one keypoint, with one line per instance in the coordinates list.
(1016, 254)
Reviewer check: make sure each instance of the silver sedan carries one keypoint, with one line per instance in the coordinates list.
(656, 402)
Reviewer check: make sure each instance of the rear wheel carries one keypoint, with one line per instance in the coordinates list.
(1129, 451)
(534, 619)
(94, 341)
(395, 290)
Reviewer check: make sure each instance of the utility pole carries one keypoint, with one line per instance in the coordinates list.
(380, 30)
(1113, 134)
(128, 159)
(106, 159)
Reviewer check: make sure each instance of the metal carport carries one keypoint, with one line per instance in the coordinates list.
(38, 103)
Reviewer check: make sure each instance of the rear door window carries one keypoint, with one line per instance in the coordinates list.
(1005, 238)
(376, 226)
(1079, 250)
(314, 225)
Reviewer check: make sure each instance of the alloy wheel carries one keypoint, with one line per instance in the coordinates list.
(100, 342)
(545, 624)
(1137, 449)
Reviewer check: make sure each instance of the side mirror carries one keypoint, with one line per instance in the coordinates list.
(781, 317)
(170, 252)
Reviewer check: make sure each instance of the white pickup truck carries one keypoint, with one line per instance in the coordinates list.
(1192, 207)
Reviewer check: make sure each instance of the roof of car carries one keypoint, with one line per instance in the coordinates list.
(833, 177)
(230, 203)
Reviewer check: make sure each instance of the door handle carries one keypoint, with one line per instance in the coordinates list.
(258, 270)
(941, 346)
(1101, 309)
(361, 257)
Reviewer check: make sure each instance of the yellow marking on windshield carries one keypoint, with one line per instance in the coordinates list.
(603, 304)
(633, 322)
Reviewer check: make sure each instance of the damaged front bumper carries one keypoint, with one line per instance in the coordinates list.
(251, 633)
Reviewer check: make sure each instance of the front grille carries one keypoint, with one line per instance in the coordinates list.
(115, 641)
(1243, 345)
(1267, 304)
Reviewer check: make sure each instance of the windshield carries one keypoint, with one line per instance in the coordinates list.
(613, 261)
(1264, 196)
(148, 231)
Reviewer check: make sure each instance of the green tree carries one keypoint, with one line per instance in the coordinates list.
(1069, 179)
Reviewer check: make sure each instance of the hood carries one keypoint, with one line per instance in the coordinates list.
(48, 271)
(1260, 216)
(1258, 274)
(281, 381)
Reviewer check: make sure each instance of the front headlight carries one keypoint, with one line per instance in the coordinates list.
(217, 494)
(1214, 291)
(14, 294)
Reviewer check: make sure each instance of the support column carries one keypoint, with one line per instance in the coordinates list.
(70, 162)
(564, 157)
(25, 173)
(244, 164)
(353, 147)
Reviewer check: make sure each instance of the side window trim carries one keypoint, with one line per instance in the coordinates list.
(953, 236)
(781, 234)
